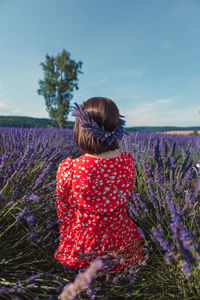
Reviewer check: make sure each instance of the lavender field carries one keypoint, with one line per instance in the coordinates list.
(165, 205)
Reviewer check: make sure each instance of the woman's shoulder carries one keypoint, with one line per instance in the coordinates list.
(66, 164)
(127, 155)
(84, 160)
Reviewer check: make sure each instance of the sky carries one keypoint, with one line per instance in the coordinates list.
(144, 55)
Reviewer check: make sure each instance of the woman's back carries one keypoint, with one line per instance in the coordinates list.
(97, 220)
(101, 185)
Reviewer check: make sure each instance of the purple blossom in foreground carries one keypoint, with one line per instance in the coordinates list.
(32, 197)
(182, 235)
(34, 237)
(81, 282)
(10, 203)
(186, 252)
(164, 244)
(32, 278)
(30, 220)
(22, 213)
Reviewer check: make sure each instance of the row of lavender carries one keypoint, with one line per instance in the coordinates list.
(165, 204)
(28, 221)
(166, 198)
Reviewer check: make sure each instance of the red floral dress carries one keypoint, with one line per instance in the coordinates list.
(91, 196)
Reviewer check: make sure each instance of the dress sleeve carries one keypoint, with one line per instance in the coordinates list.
(63, 186)
(64, 178)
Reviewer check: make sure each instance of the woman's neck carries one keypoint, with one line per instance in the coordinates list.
(108, 154)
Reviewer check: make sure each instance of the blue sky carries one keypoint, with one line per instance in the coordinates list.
(145, 55)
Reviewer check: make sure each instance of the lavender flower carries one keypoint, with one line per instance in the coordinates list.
(31, 220)
(10, 203)
(182, 235)
(81, 282)
(22, 213)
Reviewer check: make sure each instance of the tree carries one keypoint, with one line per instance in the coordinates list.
(60, 79)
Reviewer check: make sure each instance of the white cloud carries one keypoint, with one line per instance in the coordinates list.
(186, 115)
(132, 72)
(158, 113)
(97, 82)
(142, 115)
(101, 81)
(3, 99)
(17, 111)
(2, 104)
(124, 93)
(167, 100)
(36, 114)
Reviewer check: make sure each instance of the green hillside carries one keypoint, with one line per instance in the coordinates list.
(29, 122)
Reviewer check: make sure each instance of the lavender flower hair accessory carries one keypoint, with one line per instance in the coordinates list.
(94, 129)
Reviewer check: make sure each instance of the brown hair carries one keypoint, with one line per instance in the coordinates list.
(105, 113)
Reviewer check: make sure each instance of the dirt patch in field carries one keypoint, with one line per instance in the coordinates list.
(181, 132)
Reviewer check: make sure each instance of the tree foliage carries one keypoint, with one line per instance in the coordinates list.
(60, 80)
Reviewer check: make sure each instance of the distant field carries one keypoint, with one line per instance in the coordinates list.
(181, 132)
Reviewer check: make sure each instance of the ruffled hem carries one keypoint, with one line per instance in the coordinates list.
(96, 246)
(127, 264)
